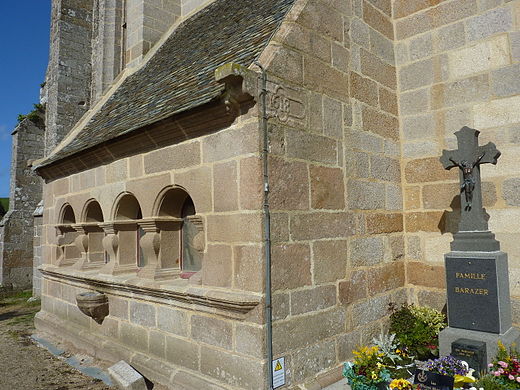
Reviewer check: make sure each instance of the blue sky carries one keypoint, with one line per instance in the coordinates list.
(24, 50)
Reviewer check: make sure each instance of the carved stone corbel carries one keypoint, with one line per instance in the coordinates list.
(83, 243)
(62, 241)
(160, 248)
(240, 86)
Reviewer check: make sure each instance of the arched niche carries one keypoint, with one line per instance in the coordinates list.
(67, 252)
(127, 213)
(127, 208)
(93, 212)
(185, 244)
(93, 219)
(67, 215)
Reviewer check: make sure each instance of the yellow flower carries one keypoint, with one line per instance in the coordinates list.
(400, 384)
(374, 375)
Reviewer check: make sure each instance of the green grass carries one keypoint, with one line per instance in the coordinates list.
(4, 204)
(17, 298)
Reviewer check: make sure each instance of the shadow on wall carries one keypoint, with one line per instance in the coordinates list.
(449, 222)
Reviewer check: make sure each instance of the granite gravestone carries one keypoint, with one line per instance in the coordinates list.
(479, 306)
(471, 351)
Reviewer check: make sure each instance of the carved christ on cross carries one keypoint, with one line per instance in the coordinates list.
(468, 181)
(468, 158)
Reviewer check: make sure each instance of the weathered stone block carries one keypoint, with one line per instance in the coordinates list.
(371, 309)
(172, 321)
(237, 371)
(419, 127)
(225, 186)
(142, 314)
(125, 377)
(330, 260)
(332, 118)
(331, 225)
(354, 288)
(359, 33)
(250, 340)
(394, 197)
(386, 278)
(133, 336)
(116, 171)
(365, 195)
(197, 183)
(511, 190)
(334, 84)
(327, 188)
(363, 89)
(505, 81)
(290, 181)
(451, 37)
(287, 64)
(248, 268)
(281, 306)
(481, 57)
(212, 331)
(414, 102)
(173, 157)
(231, 228)
(492, 22)
(379, 123)
(340, 57)
(244, 138)
(424, 221)
(182, 352)
(291, 264)
(421, 47)
(471, 89)
(384, 168)
(427, 170)
(311, 147)
(309, 361)
(157, 343)
(498, 112)
(416, 75)
(377, 20)
(218, 266)
(382, 47)
(314, 299)
(378, 70)
(366, 251)
(384, 223)
(388, 101)
(302, 331)
(426, 275)
(251, 188)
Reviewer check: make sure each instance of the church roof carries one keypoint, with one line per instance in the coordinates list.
(180, 75)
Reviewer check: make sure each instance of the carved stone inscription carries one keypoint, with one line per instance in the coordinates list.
(472, 294)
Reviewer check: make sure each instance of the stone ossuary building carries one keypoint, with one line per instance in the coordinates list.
(153, 174)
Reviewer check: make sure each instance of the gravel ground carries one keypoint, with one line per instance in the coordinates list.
(26, 366)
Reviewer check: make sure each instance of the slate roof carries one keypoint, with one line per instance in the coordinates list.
(180, 76)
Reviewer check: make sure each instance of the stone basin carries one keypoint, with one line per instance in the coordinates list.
(93, 304)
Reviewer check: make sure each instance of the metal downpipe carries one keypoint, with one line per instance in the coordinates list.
(267, 230)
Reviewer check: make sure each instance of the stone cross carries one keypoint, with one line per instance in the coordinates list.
(468, 159)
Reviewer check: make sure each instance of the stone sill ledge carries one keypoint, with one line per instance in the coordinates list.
(178, 292)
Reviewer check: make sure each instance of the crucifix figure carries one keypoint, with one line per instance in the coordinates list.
(468, 159)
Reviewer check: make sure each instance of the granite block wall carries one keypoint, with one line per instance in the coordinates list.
(457, 65)
(16, 229)
(336, 200)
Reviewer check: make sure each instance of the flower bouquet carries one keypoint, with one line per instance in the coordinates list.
(452, 372)
(505, 368)
(367, 372)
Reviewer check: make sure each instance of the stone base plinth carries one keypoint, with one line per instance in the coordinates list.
(449, 335)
